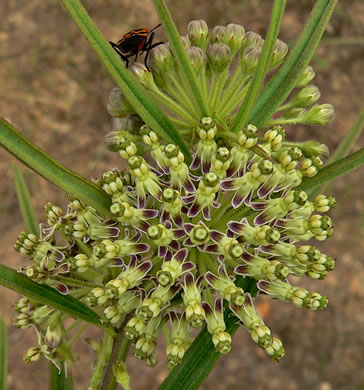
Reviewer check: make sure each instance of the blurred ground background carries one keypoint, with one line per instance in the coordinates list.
(54, 89)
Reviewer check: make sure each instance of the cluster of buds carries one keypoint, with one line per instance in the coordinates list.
(183, 237)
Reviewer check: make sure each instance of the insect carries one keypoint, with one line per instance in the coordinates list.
(135, 42)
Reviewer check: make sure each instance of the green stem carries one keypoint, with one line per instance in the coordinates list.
(102, 355)
(76, 335)
(84, 248)
(181, 125)
(237, 214)
(218, 213)
(179, 93)
(73, 326)
(171, 105)
(119, 351)
(79, 293)
(282, 121)
(213, 88)
(202, 270)
(203, 83)
(236, 99)
(75, 282)
(220, 86)
(210, 263)
(231, 89)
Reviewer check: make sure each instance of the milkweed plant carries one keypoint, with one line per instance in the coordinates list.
(206, 211)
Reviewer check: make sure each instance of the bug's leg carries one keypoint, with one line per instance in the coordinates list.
(148, 47)
(124, 58)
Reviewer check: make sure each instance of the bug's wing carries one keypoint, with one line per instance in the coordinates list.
(131, 44)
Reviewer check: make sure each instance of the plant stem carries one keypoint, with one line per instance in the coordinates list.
(119, 351)
(75, 282)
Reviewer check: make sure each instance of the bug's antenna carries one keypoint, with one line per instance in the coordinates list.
(155, 27)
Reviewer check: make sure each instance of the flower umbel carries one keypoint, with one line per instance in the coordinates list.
(182, 238)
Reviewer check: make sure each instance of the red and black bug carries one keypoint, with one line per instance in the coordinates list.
(135, 42)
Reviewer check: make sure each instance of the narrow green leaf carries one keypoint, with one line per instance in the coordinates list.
(336, 41)
(3, 355)
(333, 170)
(133, 91)
(47, 296)
(282, 83)
(36, 159)
(349, 140)
(30, 220)
(201, 357)
(263, 66)
(59, 380)
(181, 56)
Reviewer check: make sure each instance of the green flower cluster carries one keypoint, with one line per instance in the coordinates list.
(182, 238)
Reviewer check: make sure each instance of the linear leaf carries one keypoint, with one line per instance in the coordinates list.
(47, 296)
(36, 159)
(262, 67)
(333, 170)
(3, 355)
(59, 380)
(282, 83)
(201, 356)
(30, 220)
(181, 56)
(133, 91)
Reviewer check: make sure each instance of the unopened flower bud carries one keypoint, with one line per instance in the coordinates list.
(161, 59)
(197, 58)
(234, 36)
(313, 148)
(32, 355)
(198, 32)
(310, 166)
(134, 328)
(131, 124)
(279, 52)
(54, 335)
(319, 115)
(185, 41)
(26, 243)
(252, 39)
(306, 77)
(219, 56)
(118, 105)
(22, 321)
(53, 213)
(218, 34)
(305, 97)
(249, 60)
(275, 349)
(143, 75)
(294, 113)
(96, 297)
(323, 203)
(115, 141)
